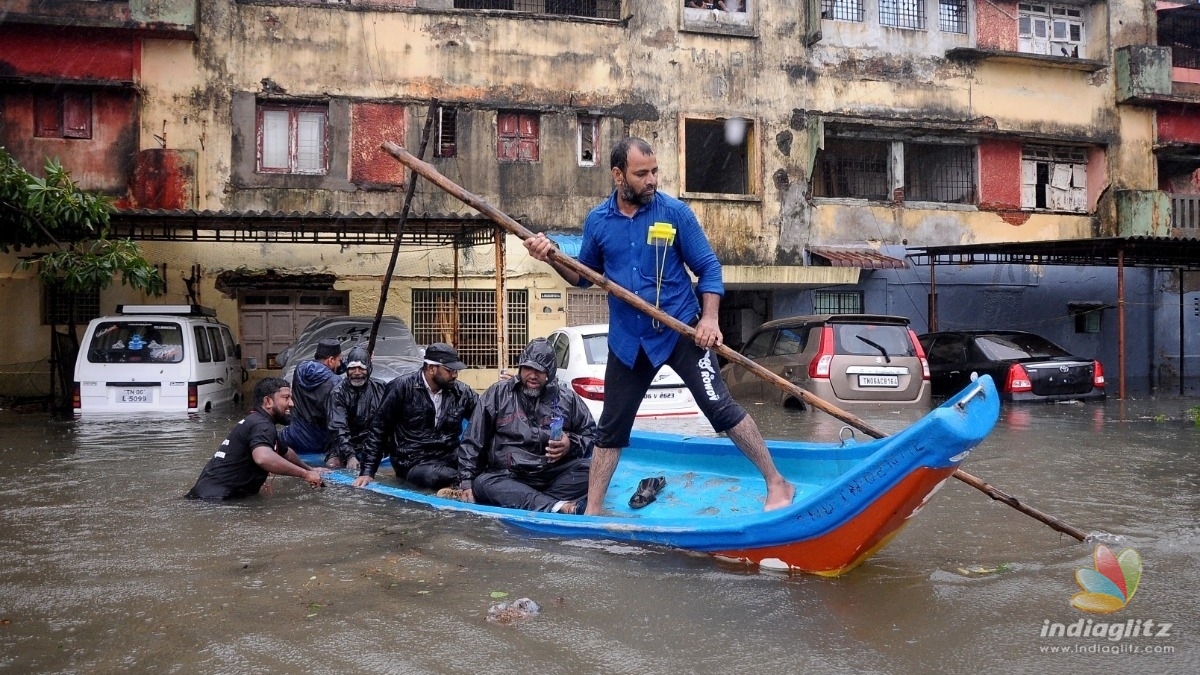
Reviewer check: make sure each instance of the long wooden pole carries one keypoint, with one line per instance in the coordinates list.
(502, 219)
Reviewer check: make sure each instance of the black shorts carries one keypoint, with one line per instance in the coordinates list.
(625, 387)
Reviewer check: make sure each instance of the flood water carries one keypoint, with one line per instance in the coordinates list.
(105, 568)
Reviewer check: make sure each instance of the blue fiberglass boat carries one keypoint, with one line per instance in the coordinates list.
(851, 497)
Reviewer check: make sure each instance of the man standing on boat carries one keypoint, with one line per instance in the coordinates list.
(420, 421)
(353, 406)
(645, 241)
(529, 442)
(252, 450)
(311, 383)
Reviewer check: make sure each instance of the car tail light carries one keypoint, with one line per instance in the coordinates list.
(912, 335)
(193, 395)
(1018, 379)
(77, 397)
(589, 387)
(1097, 375)
(819, 366)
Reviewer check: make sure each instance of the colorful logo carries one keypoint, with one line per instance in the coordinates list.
(1111, 585)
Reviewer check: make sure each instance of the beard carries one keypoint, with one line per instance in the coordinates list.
(636, 198)
(531, 392)
(357, 381)
(280, 417)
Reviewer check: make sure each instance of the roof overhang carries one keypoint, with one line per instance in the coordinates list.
(862, 258)
(424, 229)
(790, 277)
(1163, 252)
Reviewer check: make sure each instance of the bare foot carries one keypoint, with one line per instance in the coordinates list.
(779, 496)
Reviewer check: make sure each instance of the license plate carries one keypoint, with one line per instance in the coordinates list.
(134, 396)
(658, 395)
(878, 381)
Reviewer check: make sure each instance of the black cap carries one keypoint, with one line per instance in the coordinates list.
(327, 348)
(443, 355)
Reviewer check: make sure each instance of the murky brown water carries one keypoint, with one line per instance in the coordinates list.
(104, 567)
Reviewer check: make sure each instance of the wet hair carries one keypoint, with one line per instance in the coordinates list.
(619, 159)
(267, 387)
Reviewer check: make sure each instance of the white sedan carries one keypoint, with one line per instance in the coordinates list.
(581, 354)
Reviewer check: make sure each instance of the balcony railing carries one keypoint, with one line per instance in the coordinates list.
(1185, 214)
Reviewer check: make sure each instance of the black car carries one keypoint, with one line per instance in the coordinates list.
(1025, 366)
(396, 352)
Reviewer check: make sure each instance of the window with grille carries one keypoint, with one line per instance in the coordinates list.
(1051, 30)
(586, 306)
(292, 139)
(517, 136)
(59, 305)
(952, 16)
(1054, 178)
(842, 10)
(717, 156)
(852, 168)
(939, 173)
(902, 13)
(599, 9)
(837, 302)
(470, 323)
(1179, 29)
(447, 133)
(63, 115)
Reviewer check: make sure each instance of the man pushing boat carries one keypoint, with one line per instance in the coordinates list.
(657, 271)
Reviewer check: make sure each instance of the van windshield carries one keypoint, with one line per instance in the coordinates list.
(873, 340)
(136, 341)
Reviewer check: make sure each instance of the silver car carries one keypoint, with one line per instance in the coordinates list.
(842, 358)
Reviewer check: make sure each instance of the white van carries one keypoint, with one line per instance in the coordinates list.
(168, 358)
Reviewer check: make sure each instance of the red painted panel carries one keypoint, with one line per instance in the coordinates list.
(163, 179)
(1178, 125)
(996, 25)
(67, 53)
(371, 125)
(999, 174)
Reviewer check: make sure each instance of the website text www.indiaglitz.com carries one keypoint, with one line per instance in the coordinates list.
(1107, 648)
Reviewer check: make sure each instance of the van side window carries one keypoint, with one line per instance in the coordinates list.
(203, 353)
(791, 341)
(218, 349)
(230, 347)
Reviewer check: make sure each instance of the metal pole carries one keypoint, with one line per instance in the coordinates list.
(1121, 321)
(1181, 315)
(501, 304)
(933, 302)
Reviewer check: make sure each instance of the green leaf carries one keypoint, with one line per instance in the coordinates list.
(496, 595)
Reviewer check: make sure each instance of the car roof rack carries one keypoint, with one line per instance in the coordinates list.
(174, 310)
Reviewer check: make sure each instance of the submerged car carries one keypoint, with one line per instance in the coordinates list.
(396, 352)
(1025, 366)
(841, 358)
(581, 355)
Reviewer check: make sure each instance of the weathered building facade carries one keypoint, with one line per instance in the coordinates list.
(802, 133)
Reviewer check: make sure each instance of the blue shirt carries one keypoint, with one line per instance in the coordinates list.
(615, 245)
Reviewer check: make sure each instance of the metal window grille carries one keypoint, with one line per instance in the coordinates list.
(852, 168)
(902, 13)
(60, 305)
(952, 16)
(1185, 212)
(1179, 29)
(447, 144)
(599, 9)
(586, 306)
(842, 10)
(472, 328)
(837, 302)
(939, 173)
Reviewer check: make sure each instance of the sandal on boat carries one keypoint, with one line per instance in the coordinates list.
(647, 490)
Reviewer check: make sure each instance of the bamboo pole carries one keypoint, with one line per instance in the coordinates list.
(432, 175)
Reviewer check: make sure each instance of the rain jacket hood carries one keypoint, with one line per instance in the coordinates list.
(539, 354)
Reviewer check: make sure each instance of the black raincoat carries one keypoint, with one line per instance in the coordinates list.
(509, 430)
(351, 412)
(406, 427)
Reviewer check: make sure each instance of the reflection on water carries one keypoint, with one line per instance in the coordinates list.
(104, 567)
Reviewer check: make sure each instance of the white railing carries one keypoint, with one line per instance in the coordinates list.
(1185, 212)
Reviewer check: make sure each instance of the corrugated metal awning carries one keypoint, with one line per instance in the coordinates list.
(862, 258)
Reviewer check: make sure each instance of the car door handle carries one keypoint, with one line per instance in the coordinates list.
(787, 372)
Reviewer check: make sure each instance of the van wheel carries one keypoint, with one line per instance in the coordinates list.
(794, 404)
(208, 407)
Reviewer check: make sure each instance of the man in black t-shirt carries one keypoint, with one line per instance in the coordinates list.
(252, 450)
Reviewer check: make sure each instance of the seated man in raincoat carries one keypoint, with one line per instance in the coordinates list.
(529, 443)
